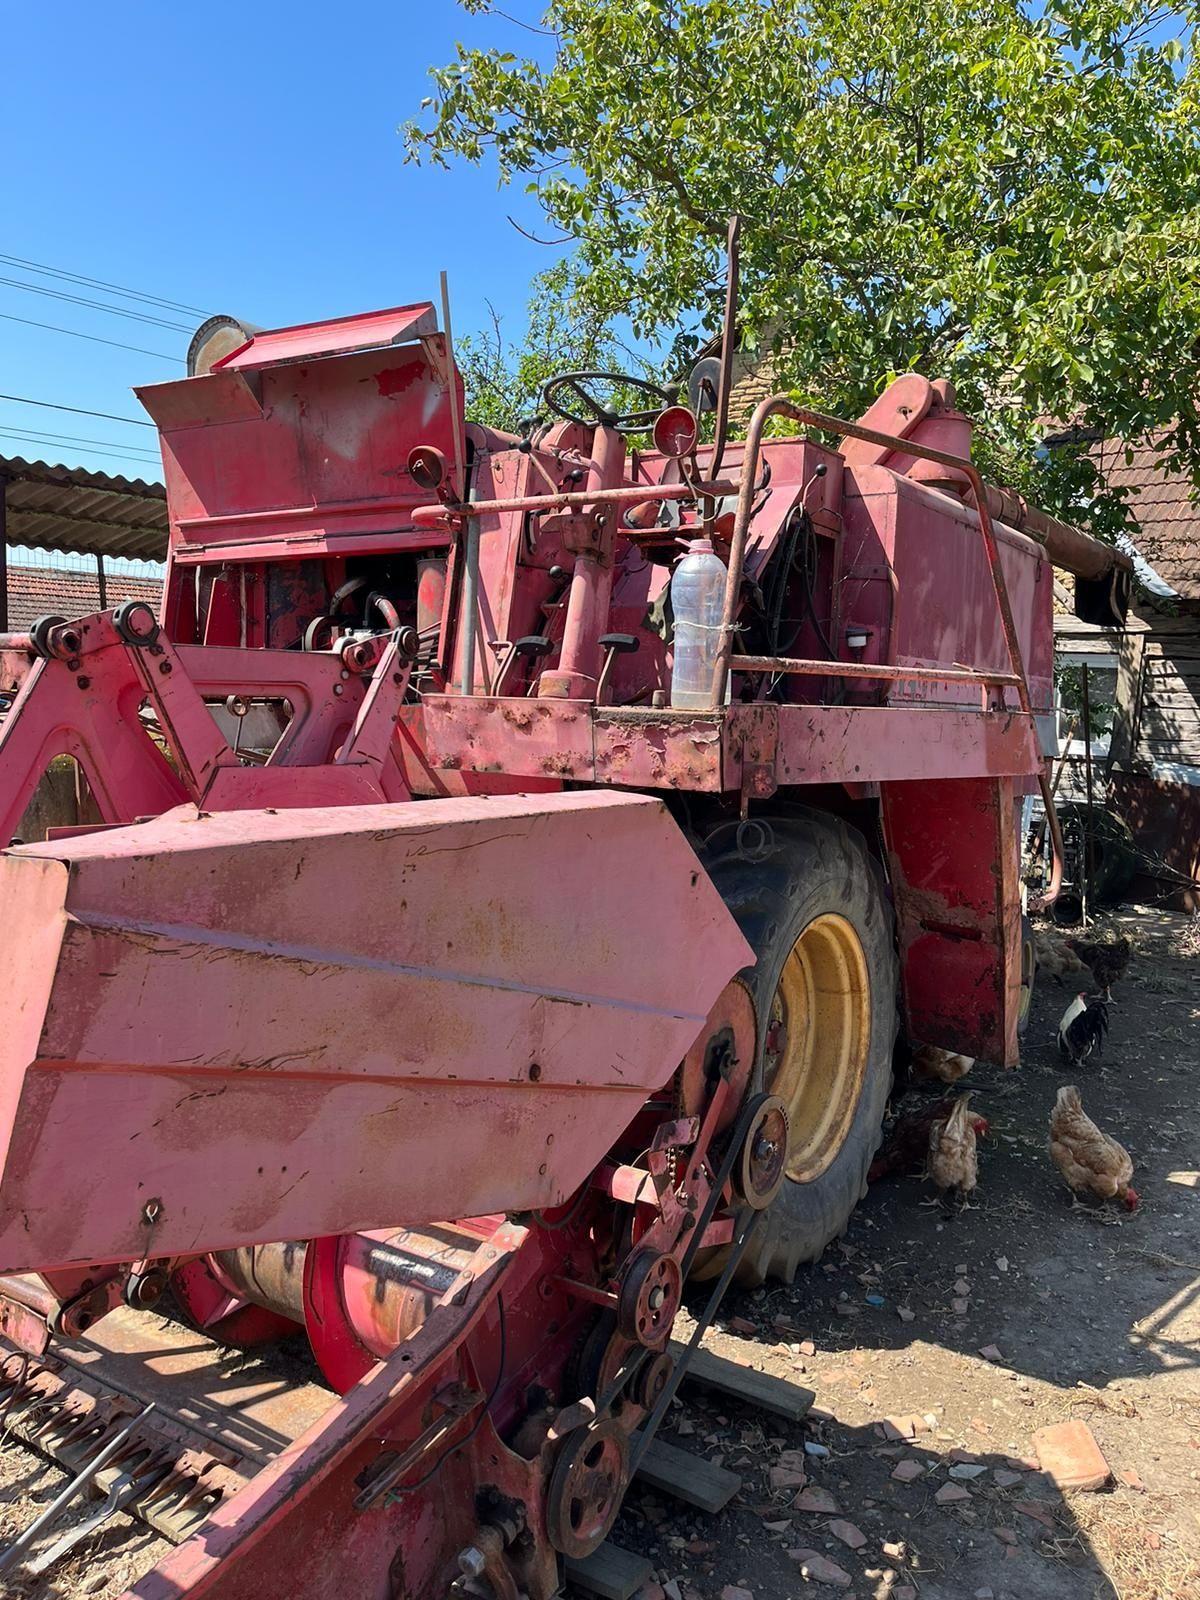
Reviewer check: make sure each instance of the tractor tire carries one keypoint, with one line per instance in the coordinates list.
(810, 900)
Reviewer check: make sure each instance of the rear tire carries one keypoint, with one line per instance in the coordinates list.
(811, 903)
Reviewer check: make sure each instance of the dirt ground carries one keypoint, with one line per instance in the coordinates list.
(1095, 1318)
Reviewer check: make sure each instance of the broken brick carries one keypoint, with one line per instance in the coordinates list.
(1007, 1480)
(731, 1591)
(819, 1569)
(1036, 1510)
(908, 1469)
(741, 1325)
(816, 1501)
(951, 1493)
(1068, 1452)
(1132, 1480)
(848, 1534)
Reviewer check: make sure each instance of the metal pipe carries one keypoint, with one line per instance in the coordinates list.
(576, 500)
(33, 1294)
(721, 425)
(469, 608)
(1069, 548)
(1089, 845)
(788, 666)
(456, 416)
(782, 404)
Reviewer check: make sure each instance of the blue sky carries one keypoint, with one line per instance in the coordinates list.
(237, 158)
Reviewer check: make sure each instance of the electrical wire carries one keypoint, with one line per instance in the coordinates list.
(74, 438)
(94, 337)
(411, 1488)
(120, 455)
(80, 411)
(95, 305)
(101, 283)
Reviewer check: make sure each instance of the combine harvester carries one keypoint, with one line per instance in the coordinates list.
(472, 951)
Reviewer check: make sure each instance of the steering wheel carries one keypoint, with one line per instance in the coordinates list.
(593, 412)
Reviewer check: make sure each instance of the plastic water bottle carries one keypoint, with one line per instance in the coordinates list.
(697, 600)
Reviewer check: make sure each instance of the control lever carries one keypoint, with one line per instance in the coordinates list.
(534, 646)
(614, 645)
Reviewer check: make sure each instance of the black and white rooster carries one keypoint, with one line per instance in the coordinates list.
(1082, 1029)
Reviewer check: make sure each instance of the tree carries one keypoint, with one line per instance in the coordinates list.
(1003, 193)
(504, 382)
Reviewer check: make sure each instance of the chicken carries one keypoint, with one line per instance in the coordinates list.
(1057, 959)
(1107, 958)
(952, 1158)
(1081, 1030)
(942, 1065)
(906, 1144)
(1089, 1160)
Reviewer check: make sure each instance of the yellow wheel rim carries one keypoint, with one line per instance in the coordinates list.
(818, 1037)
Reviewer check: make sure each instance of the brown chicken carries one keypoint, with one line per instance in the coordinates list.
(952, 1160)
(906, 1143)
(1058, 960)
(1108, 960)
(1090, 1161)
(943, 1066)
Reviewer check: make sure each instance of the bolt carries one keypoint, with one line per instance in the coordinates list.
(657, 1295)
(472, 1562)
(84, 682)
(165, 668)
(338, 688)
(151, 1211)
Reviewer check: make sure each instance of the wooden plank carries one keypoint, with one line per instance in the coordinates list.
(1131, 663)
(688, 1478)
(609, 1572)
(776, 1395)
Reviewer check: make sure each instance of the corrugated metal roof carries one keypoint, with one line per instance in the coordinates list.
(68, 508)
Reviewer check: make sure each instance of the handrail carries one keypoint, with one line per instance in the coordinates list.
(783, 405)
(792, 667)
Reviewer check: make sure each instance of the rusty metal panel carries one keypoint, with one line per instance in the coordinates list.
(952, 851)
(533, 738)
(227, 1029)
(858, 744)
(658, 749)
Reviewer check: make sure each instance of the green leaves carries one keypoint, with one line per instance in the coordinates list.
(1004, 193)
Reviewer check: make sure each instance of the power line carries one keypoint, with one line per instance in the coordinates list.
(94, 337)
(120, 455)
(80, 411)
(74, 438)
(99, 283)
(95, 305)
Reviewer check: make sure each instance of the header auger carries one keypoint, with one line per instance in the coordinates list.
(433, 983)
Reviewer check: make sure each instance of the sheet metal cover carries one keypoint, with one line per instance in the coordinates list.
(228, 1029)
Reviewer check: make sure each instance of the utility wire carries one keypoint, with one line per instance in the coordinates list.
(95, 305)
(80, 411)
(94, 337)
(74, 438)
(121, 455)
(99, 283)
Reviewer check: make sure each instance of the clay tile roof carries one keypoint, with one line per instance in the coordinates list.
(35, 592)
(1168, 520)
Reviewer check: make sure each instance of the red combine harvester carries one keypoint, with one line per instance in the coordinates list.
(451, 979)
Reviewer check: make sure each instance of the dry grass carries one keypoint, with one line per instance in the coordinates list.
(1143, 1555)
